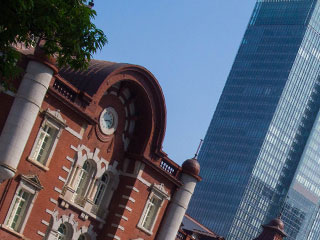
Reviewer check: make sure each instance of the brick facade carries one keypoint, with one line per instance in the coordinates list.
(131, 156)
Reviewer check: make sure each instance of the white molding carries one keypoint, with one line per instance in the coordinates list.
(70, 159)
(141, 179)
(44, 222)
(159, 188)
(129, 198)
(117, 226)
(58, 190)
(40, 233)
(32, 190)
(144, 181)
(133, 188)
(121, 216)
(97, 218)
(56, 116)
(49, 211)
(53, 201)
(66, 169)
(113, 236)
(125, 207)
(74, 148)
(74, 133)
(62, 179)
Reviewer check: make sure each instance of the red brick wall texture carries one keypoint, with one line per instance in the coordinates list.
(137, 98)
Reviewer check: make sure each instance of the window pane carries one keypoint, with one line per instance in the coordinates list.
(153, 206)
(44, 143)
(62, 232)
(102, 186)
(19, 210)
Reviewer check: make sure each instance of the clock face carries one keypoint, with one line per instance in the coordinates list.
(108, 121)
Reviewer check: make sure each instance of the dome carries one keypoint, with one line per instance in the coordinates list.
(276, 223)
(191, 166)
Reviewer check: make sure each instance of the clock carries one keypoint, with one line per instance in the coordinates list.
(108, 121)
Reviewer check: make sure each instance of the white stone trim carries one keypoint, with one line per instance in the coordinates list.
(133, 188)
(117, 226)
(121, 216)
(97, 218)
(58, 190)
(125, 207)
(156, 191)
(64, 219)
(40, 233)
(141, 179)
(44, 222)
(129, 198)
(72, 224)
(113, 236)
(53, 119)
(53, 201)
(74, 133)
(49, 211)
(74, 148)
(62, 179)
(66, 169)
(101, 167)
(144, 181)
(70, 159)
(87, 231)
(31, 189)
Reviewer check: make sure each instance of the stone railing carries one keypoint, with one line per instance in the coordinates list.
(64, 90)
(168, 167)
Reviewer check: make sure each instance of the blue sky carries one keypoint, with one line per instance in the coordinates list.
(189, 45)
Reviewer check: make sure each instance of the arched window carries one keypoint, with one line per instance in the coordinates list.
(102, 186)
(82, 237)
(83, 181)
(62, 232)
(65, 232)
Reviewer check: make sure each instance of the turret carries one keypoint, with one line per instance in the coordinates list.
(180, 201)
(23, 113)
(274, 230)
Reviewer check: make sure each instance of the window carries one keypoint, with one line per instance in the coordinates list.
(90, 185)
(152, 208)
(83, 182)
(44, 143)
(22, 203)
(82, 237)
(64, 232)
(47, 138)
(19, 210)
(102, 186)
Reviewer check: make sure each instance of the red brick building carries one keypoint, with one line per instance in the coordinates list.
(81, 155)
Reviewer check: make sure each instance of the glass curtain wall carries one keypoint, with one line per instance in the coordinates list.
(258, 136)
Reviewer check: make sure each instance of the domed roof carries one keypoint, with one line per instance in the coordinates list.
(277, 223)
(270, 230)
(191, 166)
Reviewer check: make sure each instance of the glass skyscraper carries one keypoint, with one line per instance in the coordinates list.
(261, 153)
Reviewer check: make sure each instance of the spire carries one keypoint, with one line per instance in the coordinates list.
(197, 152)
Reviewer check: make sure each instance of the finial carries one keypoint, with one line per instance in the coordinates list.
(196, 155)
